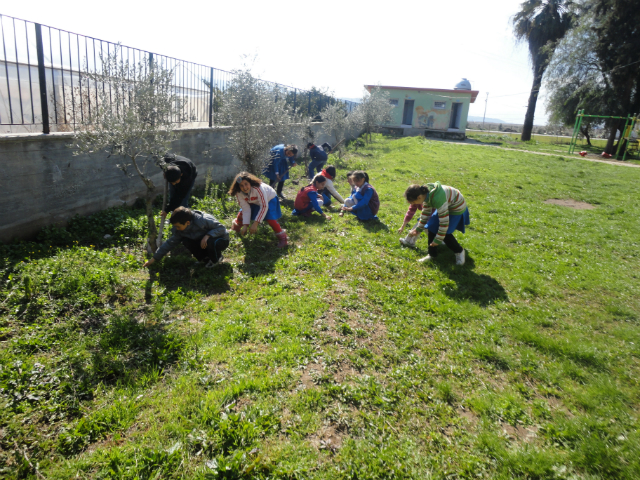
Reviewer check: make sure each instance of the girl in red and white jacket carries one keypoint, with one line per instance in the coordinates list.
(258, 202)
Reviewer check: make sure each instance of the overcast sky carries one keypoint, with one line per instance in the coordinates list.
(341, 45)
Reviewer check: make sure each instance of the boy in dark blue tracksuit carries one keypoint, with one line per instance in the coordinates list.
(181, 174)
(318, 158)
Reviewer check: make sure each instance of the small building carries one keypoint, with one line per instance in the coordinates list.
(429, 111)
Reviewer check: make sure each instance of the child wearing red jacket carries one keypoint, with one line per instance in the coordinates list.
(309, 198)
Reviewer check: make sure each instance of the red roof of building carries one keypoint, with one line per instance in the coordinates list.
(474, 93)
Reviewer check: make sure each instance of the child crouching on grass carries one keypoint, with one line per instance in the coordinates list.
(310, 198)
(258, 202)
(365, 203)
(199, 232)
(444, 210)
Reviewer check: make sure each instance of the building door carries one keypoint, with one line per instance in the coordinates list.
(407, 114)
(456, 112)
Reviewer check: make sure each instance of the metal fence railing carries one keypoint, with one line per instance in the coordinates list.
(41, 88)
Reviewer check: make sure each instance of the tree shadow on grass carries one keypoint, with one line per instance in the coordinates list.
(477, 288)
(128, 349)
(181, 271)
(261, 253)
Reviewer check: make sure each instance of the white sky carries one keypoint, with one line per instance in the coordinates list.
(342, 45)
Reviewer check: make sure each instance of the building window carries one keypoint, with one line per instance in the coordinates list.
(439, 105)
(393, 102)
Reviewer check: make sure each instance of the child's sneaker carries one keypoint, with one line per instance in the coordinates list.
(460, 258)
(428, 258)
(211, 263)
(283, 240)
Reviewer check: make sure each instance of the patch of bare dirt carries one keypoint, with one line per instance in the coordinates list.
(311, 371)
(467, 414)
(329, 438)
(569, 202)
(520, 433)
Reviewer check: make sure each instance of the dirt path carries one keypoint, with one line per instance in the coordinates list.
(577, 157)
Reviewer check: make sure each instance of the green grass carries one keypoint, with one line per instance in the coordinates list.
(340, 357)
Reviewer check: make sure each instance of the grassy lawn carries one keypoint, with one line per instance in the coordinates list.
(340, 357)
(545, 144)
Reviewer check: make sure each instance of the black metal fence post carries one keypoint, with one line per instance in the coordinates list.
(295, 95)
(211, 99)
(42, 79)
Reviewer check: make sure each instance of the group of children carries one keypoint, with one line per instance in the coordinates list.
(443, 210)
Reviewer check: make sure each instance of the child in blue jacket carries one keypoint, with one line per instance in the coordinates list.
(318, 158)
(365, 203)
(277, 170)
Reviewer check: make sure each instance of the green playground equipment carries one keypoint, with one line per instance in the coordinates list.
(630, 122)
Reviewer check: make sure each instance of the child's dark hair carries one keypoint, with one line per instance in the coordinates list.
(172, 173)
(331, 170)
(414, 191)
(249, 177)
(319, 178)
(350, 173)
(359, 174)
(181, 215)
(291, 148)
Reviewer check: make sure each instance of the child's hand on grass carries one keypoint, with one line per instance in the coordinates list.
(243, 230)
(254, 228)
(413, 232)
(149, 262)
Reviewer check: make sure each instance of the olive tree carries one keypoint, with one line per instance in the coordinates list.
(133, 119)
(373, 110)
(335, 122)
(260, 117)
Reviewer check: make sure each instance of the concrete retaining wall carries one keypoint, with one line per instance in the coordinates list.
(43, 183)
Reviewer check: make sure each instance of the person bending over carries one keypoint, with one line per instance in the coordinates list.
(277, 170)
(181, 174)
(199, 232)
(318, 158)
(444, 210)
(309, 198)
(258, 202)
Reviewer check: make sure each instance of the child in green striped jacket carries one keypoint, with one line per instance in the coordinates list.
(444, 210)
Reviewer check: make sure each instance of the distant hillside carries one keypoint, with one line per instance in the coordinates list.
(487, 120)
